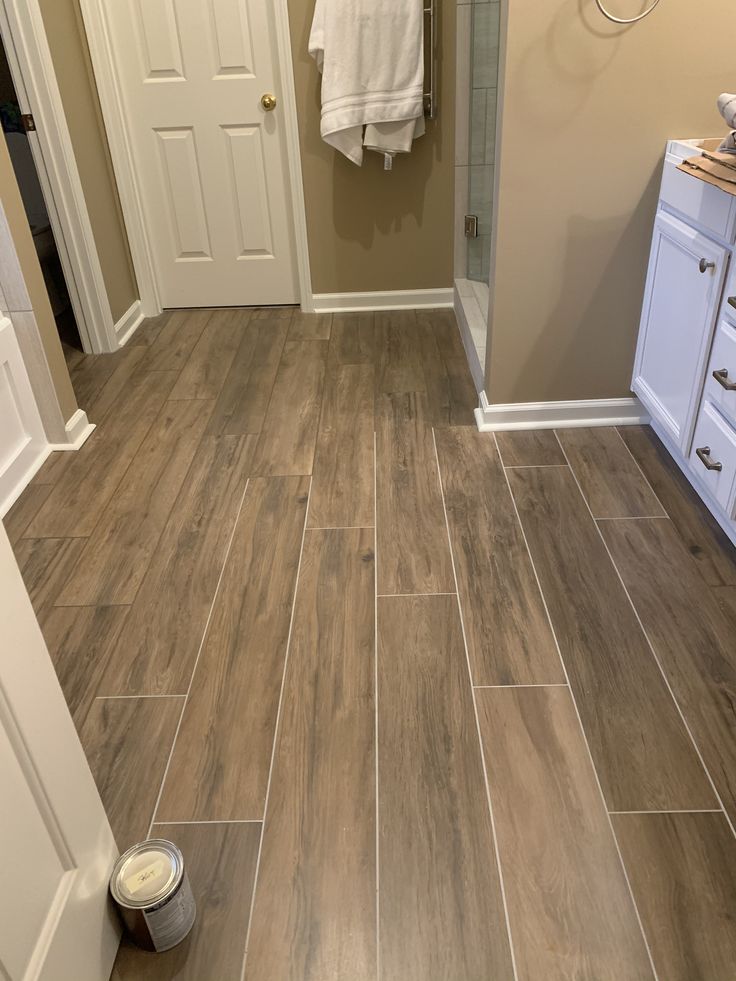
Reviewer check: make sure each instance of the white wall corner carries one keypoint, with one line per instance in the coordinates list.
(78, 430)
(559, 415)
(384, 300)
(129, 323)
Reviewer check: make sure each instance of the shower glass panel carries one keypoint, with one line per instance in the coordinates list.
(483, 98)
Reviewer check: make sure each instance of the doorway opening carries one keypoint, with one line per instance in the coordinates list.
(15, 134)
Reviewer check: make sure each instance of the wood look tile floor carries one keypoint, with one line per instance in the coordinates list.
(417, 703)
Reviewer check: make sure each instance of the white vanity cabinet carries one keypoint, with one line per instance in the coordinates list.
(685, 368)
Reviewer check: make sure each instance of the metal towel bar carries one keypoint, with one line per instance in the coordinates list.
(430, 36)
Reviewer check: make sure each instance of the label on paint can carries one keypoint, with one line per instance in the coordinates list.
(172, 922)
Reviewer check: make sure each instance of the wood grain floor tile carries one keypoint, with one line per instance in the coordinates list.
(681, 871)
(242, 404)
(221, 862)
(310, 326)
(399, 366)
(608, 475)
(127, 742)
(46, 564)
(155, 654)
(80, 640)
(273, 313)
(219, 769)
(352, 340)
(24, 510)
(530, 448)
(128, 360)
(150, 329)
(90, 375)
(173, 346)
(462, 396)
(441, 911)
(204, 374)
(413, 551)
(315, 911)
(726, 597)
(705, 540)
(290, 427)
(87, 484)
(118, 552)
(451, 395)
(509, 637)
(342, 488)
(446, 331)
(642, 752)
(693, 639)
(569, 905)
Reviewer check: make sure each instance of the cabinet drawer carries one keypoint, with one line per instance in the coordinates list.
(716, 465)
(722, 371)
(708, 206)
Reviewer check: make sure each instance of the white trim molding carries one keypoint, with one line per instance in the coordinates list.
(559, 415)
(389, 300)
(38, 92)
(78, 430)
(129, 323)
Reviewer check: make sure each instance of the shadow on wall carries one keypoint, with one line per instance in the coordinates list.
(566, 347)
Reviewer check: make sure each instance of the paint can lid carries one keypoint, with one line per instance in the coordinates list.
(147, 874)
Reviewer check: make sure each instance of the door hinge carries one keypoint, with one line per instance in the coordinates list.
(29, 123)
(471, 226)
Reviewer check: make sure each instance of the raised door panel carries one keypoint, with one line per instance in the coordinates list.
(678, 320)
(231, 33)
(182, 182)
(250, 190)
(160, 42)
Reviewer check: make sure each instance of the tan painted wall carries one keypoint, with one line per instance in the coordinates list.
(587, 109)
(21, 232)
(371, 230)
(70, 54)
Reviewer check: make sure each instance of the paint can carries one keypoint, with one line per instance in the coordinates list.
(151, 890)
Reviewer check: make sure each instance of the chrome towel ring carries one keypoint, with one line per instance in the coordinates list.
(626, 20)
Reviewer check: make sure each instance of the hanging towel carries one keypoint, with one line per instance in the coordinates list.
(371, 55)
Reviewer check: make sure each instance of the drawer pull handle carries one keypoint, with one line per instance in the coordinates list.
(705, 264)
(704, 456)
(721, 376)
(732, 301)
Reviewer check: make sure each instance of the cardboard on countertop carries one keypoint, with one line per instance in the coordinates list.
(710, 168)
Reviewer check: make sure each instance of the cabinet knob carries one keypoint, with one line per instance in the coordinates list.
(705, 264)
(703, 453)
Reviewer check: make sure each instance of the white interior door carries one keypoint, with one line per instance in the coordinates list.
(210, 161)
(56, 846)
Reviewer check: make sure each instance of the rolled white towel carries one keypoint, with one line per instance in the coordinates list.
(727, 108)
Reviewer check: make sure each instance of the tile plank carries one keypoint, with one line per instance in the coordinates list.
(310, 326)
(569, 905)
(608, 475)
(642, 752)
(221, 862)
(46, 564)
(399, 366)
(530, 448)
(243, 401)
(204, 374)
(342, 488)
(699, 530)
(123, 739)
(443, 324)
(441, 910)
(681, 871)
(352, 340)
(219, 769)
(173, 346)
(120, 548)
(692, 637)
(87, 484)
(510, 641)
(413, 551)
(315, 910)
(290, 427)
(273, 313)
(155, 654)
(21, 514)
(128, 361)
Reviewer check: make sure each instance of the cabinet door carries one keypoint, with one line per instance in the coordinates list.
(684, 284)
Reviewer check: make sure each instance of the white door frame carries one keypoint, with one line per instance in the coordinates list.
(27, 48)
(119, 138)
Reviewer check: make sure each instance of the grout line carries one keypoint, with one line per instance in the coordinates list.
(343, 528)
(276, 732)
(533, 466)
(397, 595)
(580, 721)
(99, 698)
(636, 517)
(554, 684)
(233, 821)
(477, 720)
(375, 701)
(646, 480)
(196, 661)
(690, 810)
(657, 661)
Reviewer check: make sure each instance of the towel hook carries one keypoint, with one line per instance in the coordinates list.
(625, 20)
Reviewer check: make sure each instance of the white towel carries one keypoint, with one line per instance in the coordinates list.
(371, 55)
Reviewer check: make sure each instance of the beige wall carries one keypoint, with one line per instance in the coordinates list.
(371, 230)
(587, 109)
(19, 229)
(70, 54)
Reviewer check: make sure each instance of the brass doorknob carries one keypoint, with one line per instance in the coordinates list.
(268, 102)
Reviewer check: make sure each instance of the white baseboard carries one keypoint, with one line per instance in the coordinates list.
(391, 300)
(129, 323)
(560, 415)
(78, 429)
